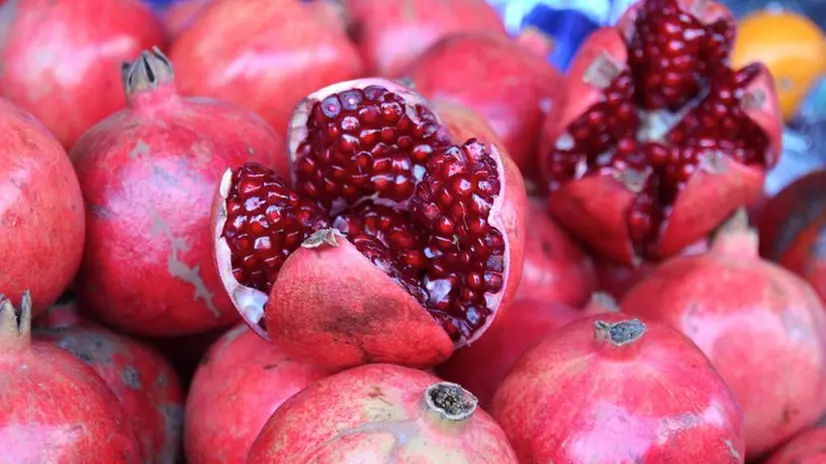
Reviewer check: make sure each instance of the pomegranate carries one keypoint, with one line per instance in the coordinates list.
(617, 279)
(241, 381)
(793, 229)
(391, 35)
(60, 58)
(664, 141)
(742, 311)
(482, 366)
(41, 211)
(262, 54)
(611, 388)
(386, 221)
(512, 86)
(140, 377)
(381, 413)
(148, 174)
(555, 269)
(807, 448)
(54, 408)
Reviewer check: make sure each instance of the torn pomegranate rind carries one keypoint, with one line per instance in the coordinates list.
(383, 174)
(661, 118)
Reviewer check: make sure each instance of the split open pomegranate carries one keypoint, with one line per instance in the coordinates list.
(664, 140)
(391, 243)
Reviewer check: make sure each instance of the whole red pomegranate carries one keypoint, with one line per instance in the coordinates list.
(808, 447)
(148, 174)
(54, 408)
(391, 35)
(743, 311)
(140, 377)
(482, 366)
(793, 229)
(510, 85)
(41, 211)
(381, 413)
(241, 381)
(391, 244)
(555, 268)
(611, 388)
(265, 55)
(61, 58)
(663, 141)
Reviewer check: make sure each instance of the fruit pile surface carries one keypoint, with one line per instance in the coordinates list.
(372, 231)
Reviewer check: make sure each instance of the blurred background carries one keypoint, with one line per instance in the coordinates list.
(786, 35)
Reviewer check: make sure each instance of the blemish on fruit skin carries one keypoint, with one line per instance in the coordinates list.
(131, 378)
(733, 451)
(141, 150)
(177, 268)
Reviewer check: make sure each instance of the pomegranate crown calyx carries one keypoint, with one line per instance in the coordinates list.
(149, 71)
(12, 324)
(450, 401)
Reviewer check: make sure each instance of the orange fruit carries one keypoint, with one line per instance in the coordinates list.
(792, 47)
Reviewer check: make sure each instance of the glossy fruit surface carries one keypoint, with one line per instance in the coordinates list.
(664, 140)
(791, 45)
(392, 243)
(54, 408)
(391, 35)
(508, 84)
(142, 380)
(264, 55)
(41, 211)
(148, 175)
(241, 381)
(381, 413)
(742, 311)
(792, 229)
(611, 388)
(61, 58)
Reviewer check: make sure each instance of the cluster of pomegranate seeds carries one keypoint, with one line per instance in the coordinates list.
(266, 221)
(362, 142)
(382, 172)
(677, 109)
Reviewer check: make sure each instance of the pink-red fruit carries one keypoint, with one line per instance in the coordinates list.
(41, 211)
(53, 407)
(392, 243)
(148, 175)
(611, 388)
(60, 59)
(241, 380)
(807, 448)
(381, 413)
(761, 326)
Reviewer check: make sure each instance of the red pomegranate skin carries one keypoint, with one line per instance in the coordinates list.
(742, 311)
(143, 381)
(511, 86)
(264, 55)
(653, 185)
(41, 210)
(793, 229)
(482, 366)
(556, 269)
(377, 413)
(241, 381)
(391, 35)
(61, 58)
(579, 396)
(54, 408)
(808, 447)
(148, 174)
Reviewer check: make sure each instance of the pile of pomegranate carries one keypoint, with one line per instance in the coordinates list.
(287, 231)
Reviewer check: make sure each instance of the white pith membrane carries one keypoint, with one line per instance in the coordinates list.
(250, 302)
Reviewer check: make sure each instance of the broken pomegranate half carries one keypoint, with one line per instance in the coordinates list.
(389, 244)
(664, 140)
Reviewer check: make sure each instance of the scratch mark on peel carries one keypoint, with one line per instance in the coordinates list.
(177, 268)
(141, 150)
(733, 451)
